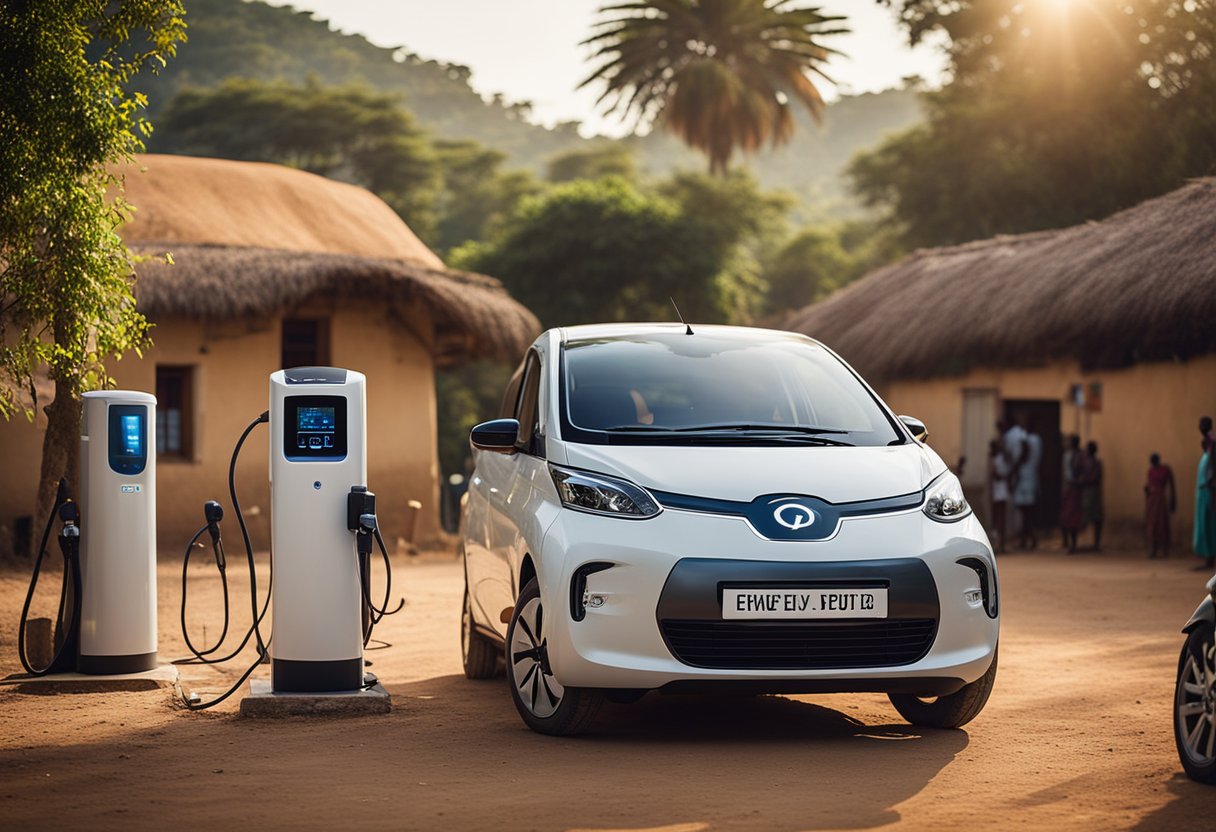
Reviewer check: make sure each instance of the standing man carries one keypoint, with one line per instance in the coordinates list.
(1092, 511)
(1025, 451)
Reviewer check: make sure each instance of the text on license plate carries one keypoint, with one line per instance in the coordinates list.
(758, 602)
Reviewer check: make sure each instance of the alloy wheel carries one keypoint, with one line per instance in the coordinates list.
(540, 693)
(1195, 701)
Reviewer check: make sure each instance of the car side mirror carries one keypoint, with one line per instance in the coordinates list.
(916, 427)
(497, 436)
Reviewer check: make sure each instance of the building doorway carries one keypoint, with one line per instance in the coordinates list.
(1043, 418)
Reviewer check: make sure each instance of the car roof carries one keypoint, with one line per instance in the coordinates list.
(588, 332)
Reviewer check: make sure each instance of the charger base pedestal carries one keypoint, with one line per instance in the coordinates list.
(162, 676)
(264, 703)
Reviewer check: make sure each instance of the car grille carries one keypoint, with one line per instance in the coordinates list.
(818, 645)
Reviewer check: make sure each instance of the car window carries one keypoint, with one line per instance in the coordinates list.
(510, 397)
(666, 388)
(527, 411)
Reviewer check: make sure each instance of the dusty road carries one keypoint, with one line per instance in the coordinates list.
(1076, 736)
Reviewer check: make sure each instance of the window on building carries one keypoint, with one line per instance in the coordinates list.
(175, 412)
(305, 342)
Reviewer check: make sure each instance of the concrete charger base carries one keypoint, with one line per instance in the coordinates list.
(262, 702)
(162, 676)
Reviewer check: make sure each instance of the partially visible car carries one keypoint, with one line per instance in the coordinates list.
(1195, 693)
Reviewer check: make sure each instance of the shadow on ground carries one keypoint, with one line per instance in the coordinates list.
(454, 753)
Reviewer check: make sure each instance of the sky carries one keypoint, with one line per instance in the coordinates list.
(528, 50)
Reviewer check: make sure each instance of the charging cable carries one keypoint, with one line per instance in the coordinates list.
(67, 631)
(214, 513)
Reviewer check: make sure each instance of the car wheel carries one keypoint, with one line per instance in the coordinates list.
(480, 654)
(953, 711)
(544, 703)
(1195, 705)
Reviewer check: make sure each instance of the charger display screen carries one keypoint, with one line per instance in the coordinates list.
(315, 428)
(128, 438)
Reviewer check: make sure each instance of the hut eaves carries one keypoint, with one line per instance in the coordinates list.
(1138, 286)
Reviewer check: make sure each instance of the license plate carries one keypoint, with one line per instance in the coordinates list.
(761, 602)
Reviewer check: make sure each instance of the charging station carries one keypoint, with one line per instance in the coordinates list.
(318, 452)
(106, 624)
(118, 541)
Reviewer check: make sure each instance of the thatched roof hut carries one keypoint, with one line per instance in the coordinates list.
(255, 240)
(1138, 286)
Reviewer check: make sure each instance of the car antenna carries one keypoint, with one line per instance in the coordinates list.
(681, 317)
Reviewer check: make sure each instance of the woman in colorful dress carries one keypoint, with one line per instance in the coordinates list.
(1160, 501)
(1203, 541)
(1070, 501)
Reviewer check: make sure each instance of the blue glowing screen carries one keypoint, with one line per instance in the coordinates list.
(132, 436)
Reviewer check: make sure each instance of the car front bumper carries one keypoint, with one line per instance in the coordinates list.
(659, 584)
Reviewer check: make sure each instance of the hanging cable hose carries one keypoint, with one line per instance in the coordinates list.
(240, 519)
(66, 632)
(217, 546)
(214, 514)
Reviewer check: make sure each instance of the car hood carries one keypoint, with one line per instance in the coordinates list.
(834, 474)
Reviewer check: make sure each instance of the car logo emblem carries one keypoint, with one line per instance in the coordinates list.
(794, 516)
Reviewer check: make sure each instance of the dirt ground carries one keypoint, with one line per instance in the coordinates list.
(1077, 734)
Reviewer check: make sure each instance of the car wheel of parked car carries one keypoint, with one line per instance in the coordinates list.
(953, 711)
(1195, 704)
(480, 654)
(544, 703)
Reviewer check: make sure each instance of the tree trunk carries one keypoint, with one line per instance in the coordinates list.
(60, 453)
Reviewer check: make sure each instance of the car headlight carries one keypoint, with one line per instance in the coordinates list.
(944, 501)
(601, 494)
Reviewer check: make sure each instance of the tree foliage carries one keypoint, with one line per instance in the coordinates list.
(351, 133)
(66, 119)
(608, 158)
(718, 73)
(607, 250)
(1058, 113)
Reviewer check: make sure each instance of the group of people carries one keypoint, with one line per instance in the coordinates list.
(1081, 499)
(1015, 458)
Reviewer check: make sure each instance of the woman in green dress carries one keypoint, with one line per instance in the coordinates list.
(1204, 541)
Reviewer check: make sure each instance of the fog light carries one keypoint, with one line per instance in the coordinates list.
(593, 602)
(974, 597)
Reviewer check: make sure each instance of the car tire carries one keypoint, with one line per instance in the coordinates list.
(479, 654)
(1195, 705)
(953, 711)
(545, 705)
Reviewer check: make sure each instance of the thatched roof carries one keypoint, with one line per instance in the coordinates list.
(256, 240)
(1138, 286)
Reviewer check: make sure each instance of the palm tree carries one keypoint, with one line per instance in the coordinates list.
(720, 74)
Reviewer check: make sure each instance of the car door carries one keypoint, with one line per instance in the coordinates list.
(508, 498)
(491, 477)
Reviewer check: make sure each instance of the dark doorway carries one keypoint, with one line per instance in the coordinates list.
(1043, 418)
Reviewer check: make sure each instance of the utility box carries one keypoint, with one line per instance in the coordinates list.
(318, 452)
(118, 545)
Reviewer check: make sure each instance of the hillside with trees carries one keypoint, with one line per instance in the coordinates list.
(251, 40)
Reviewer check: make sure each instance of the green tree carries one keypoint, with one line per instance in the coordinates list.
(608, 158)
(1057, 113)
(604, 250)
(351, 133)
(477, 193)
(719, 74)
(808, 268)
(729, 224)
(66, 121)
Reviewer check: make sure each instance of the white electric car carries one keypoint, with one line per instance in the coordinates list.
(717, 509)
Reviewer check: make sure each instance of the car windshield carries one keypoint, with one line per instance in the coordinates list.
(660, 388)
